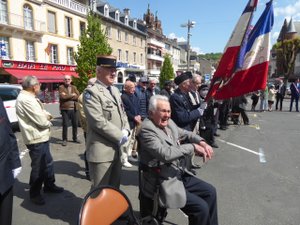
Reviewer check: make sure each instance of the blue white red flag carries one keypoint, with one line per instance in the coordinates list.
(244, 65)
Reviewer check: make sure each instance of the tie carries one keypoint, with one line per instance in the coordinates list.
(109, 89)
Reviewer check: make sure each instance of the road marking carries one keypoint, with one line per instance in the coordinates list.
(262, 157)
(261, 154)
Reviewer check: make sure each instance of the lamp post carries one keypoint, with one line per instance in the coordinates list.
(189, 25)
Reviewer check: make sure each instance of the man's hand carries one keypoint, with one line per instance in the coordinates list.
(200, 151)
(138, 119)
(208, 149)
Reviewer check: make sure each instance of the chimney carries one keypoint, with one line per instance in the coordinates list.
(126, 11)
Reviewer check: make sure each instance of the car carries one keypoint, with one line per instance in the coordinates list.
(9, 94)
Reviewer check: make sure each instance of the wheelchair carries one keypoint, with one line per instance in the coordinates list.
(150, 210)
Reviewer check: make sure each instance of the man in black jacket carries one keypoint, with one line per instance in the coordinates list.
(10, 166)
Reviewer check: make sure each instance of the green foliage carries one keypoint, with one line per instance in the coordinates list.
(167, 71)
(211, 56)
(93, 42)
(286, 52)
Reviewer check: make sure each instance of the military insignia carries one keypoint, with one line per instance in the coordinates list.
(87, 96)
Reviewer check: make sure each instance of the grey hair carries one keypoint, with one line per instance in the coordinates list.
(195, 77)
(153, 101)
(29, 81)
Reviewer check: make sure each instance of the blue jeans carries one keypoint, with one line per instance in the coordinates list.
(41, 167)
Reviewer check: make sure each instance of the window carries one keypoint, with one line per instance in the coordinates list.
(119, 54)
(106, 11)
(82, 28)
(4, 46)
(68, 27)
(70, 56)
(134, 57)
(142, 58)
(134, 40)
(51, 22)
(126, 20)
(53, 54)
(119, 37)
(117, 17)
(30, 51)
(126, 56)
(28, 17)
(134, 24)
(3, 11)
(126, 37)
(108, 31)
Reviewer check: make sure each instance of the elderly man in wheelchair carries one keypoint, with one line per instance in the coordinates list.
(164, 180)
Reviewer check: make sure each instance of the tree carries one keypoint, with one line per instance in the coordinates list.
(166, 71)
(286, 52)
(93, 42)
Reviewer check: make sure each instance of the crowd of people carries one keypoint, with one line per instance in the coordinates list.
(163, 130)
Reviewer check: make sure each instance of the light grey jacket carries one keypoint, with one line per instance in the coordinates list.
(155, 145)
(106, 119)
(34, 120)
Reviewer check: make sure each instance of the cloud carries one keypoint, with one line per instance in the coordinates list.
(290, 10)
(275, 35)
(179, 39)
(197, 49)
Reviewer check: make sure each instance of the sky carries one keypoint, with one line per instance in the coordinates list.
(215, 19)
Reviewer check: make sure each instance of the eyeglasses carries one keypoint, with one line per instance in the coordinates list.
(67, 79)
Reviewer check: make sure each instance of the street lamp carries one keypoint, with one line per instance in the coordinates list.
(189, 25)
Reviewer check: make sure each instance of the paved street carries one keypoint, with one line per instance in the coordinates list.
(255, 170)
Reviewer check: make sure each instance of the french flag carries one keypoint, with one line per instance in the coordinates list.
(244, 65)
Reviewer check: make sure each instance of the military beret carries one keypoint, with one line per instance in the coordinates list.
(204, 87)
(182, 77)
(143, 79)
(107, 61)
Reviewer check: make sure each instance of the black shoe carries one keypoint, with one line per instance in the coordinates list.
(223, 128)
(38, 200)
(53, 189)
(64, 143)
(214, 145)
(77, 141)
(216, 135)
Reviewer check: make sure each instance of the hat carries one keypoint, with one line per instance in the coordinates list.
(203, 87)
(106, 61)
(182, 77)
(143, 79)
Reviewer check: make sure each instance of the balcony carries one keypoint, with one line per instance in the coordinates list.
(72, 6)
(15, 23)
(155, 57)
(156, 43)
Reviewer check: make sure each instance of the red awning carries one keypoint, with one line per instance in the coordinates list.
(43, 76)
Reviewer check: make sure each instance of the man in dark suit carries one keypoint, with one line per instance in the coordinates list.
(161, 155)
(294, 95)
(131, 105)
(280, 94)
(10, 166)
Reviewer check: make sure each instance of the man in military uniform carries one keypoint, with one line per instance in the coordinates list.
(107, 125)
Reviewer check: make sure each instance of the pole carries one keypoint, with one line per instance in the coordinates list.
(188, 45)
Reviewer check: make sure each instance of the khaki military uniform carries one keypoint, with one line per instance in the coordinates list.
(106, 119)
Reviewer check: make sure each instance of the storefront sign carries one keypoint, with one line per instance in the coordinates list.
(36, 66)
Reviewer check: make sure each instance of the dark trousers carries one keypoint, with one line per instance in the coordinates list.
(85, 159)
(201, 205)
(6, 203)
(66, 116)
(279, 99)
(243, 114)
(41, 167)
(296, 99)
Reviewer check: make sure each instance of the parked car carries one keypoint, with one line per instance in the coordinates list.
(9, 94)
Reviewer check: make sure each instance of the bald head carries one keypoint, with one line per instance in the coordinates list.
(129, 87)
